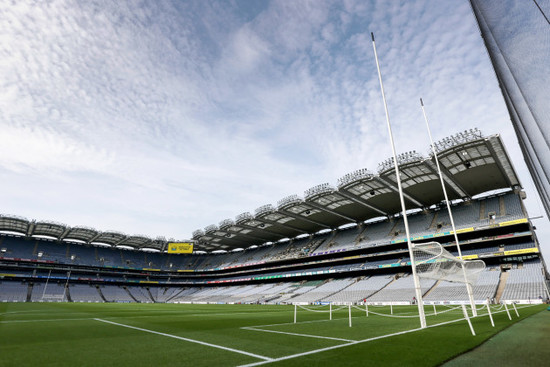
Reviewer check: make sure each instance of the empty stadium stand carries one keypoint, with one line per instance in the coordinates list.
(341, 244)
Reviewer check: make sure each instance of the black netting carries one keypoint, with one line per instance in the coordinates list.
(517, 37)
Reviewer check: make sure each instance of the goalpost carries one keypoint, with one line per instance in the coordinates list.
(434, 152)
(434, 262)
(456, 265)
(418, 290)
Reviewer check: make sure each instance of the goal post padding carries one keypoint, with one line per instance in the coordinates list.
(432, 261)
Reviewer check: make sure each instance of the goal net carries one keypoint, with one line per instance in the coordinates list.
(434, 262)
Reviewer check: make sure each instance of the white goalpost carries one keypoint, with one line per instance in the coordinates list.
(433, 261)
(418, 290)
(434, 152)
(444, 266)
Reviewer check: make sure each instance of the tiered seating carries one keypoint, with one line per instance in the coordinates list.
(492, 205)
(82, 255)
(113, 293)
(244, 294)
(297, 248)
(401, 290)
(298, 289)
(376, 233)
(343, 239)
(185, 295)
(513, 207)
(419, 224)
(360, 289)
(134, 259)
(185, 262)
(13, 291)
(214, 261)
(519, 246)
(84, 293)
(164, 294)
(257, 255)
(108, 256)
(323, 292)
(140, 294)
(210, 294)
(464, 215)
(447, 291)
(42, 292)
(484, 288)
(526, 283)
(486, 285)
(478, 250)
(18, 247)
(274, 293)
(156, 260)
(51, 251)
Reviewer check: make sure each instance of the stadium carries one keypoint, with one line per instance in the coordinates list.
(428, 258)
(338, 246)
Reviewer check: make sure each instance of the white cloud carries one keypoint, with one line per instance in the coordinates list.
(166, 117)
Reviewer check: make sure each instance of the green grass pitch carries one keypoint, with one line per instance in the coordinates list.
(85, 334)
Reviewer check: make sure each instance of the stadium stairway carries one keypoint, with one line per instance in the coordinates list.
(35, 249)
(175, 295)
(482, 210)
(68, 293)
(432, 288)
(151, 295)
(340, 290)
(362, 236)
(29, 293)
(502, 206)
(101, 294)
(130, 294)
(501, 285)
(433, 223)
(392, 234)
(393, 280)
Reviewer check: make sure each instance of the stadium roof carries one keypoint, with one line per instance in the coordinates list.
(471, 165)
(60, 232)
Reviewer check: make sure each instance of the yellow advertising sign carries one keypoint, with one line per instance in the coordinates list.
(180, 247)
(522, 251)
(512, 222)
(470, 257)
(464, 230)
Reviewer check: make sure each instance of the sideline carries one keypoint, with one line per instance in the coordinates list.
(267, 359)
(362, 341)
(523, 343)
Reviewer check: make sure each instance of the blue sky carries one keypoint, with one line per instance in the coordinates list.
(159, 117)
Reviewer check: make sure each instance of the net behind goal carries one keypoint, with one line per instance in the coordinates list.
(434, 262)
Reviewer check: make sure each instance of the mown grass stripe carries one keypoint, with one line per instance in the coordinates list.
(187, 339)
(356, 342)
(297, 334)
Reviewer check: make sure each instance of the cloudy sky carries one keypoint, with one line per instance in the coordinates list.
(162, 117)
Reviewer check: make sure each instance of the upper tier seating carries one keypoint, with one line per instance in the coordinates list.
(525, 283)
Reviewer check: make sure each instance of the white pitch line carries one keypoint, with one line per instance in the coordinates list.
(309, 322)
(296, 334)
(266, 359)
(356, 342)
(44, 320)
(114, 317)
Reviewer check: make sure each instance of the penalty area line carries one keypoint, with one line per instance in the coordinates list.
(360, 341)
(267, 359)
(297, 334)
